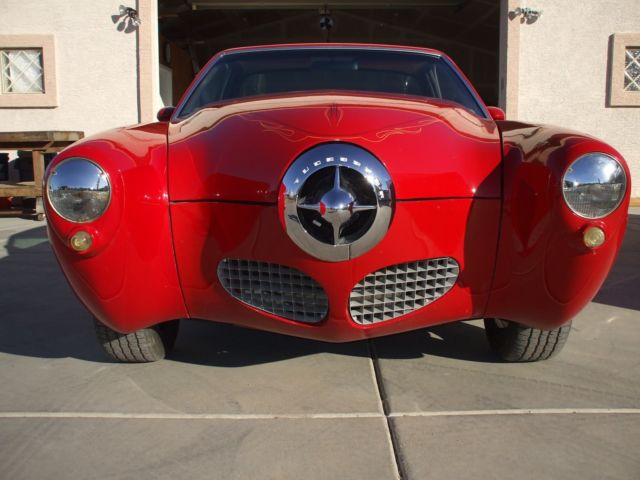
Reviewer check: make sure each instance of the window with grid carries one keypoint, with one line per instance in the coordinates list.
(22, 70)
(27, 71)
(623, 84)
(632, 69)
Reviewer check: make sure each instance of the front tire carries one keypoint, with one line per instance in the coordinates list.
(514, 342)
(145, 345)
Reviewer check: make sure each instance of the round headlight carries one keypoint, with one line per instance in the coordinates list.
(594, 185)
(78, 190)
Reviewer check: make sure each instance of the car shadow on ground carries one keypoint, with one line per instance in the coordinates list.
(207, 343)
(39, 314)
(620, 289)
(41, 317)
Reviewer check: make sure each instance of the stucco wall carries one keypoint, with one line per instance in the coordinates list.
(563, 58)
(96, 65)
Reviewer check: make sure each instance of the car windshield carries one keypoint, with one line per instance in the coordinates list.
(278, 71)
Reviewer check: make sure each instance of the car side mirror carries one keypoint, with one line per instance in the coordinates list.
(164, 114)
(496, 113)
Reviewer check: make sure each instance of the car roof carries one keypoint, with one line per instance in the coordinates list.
(364, 46)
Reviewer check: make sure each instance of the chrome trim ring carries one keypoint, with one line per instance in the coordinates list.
(589, 180)
(83, 184)
(337, 201)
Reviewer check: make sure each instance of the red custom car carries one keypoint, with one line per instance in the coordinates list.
(336, 192)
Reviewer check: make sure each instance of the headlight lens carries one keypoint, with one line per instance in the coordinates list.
(594, 185)
(78, 190)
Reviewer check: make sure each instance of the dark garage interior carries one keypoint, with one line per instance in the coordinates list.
(191, 31)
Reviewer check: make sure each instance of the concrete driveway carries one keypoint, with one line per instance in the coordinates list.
(233, 403)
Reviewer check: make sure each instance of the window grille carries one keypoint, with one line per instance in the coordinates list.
(632, 69)
(21, 71)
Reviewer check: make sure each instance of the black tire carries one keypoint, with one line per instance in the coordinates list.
(144, 345)
(513, 342)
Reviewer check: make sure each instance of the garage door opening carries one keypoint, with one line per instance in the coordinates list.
(191, 31)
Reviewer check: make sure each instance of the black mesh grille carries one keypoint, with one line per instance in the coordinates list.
(400, 289)
(274, 288)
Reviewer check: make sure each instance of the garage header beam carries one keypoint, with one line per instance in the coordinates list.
(302, 4)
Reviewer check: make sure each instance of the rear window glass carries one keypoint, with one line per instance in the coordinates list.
(267, 72)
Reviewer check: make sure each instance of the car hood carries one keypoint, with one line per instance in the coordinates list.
(241, 151)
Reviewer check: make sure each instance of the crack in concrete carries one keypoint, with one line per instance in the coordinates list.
(392, 435)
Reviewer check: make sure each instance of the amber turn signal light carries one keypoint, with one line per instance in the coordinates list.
(80, 241)
(593, 237)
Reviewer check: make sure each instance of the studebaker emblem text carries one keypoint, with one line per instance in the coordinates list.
(329, 160)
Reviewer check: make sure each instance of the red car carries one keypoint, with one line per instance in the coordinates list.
(339, 193)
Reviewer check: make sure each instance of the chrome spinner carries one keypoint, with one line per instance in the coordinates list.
(337, 202)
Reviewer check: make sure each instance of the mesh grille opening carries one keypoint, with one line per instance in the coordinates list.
(400, 289)
(274, 288)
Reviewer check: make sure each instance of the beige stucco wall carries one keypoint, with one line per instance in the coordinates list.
(96, 65)
(562, 71)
